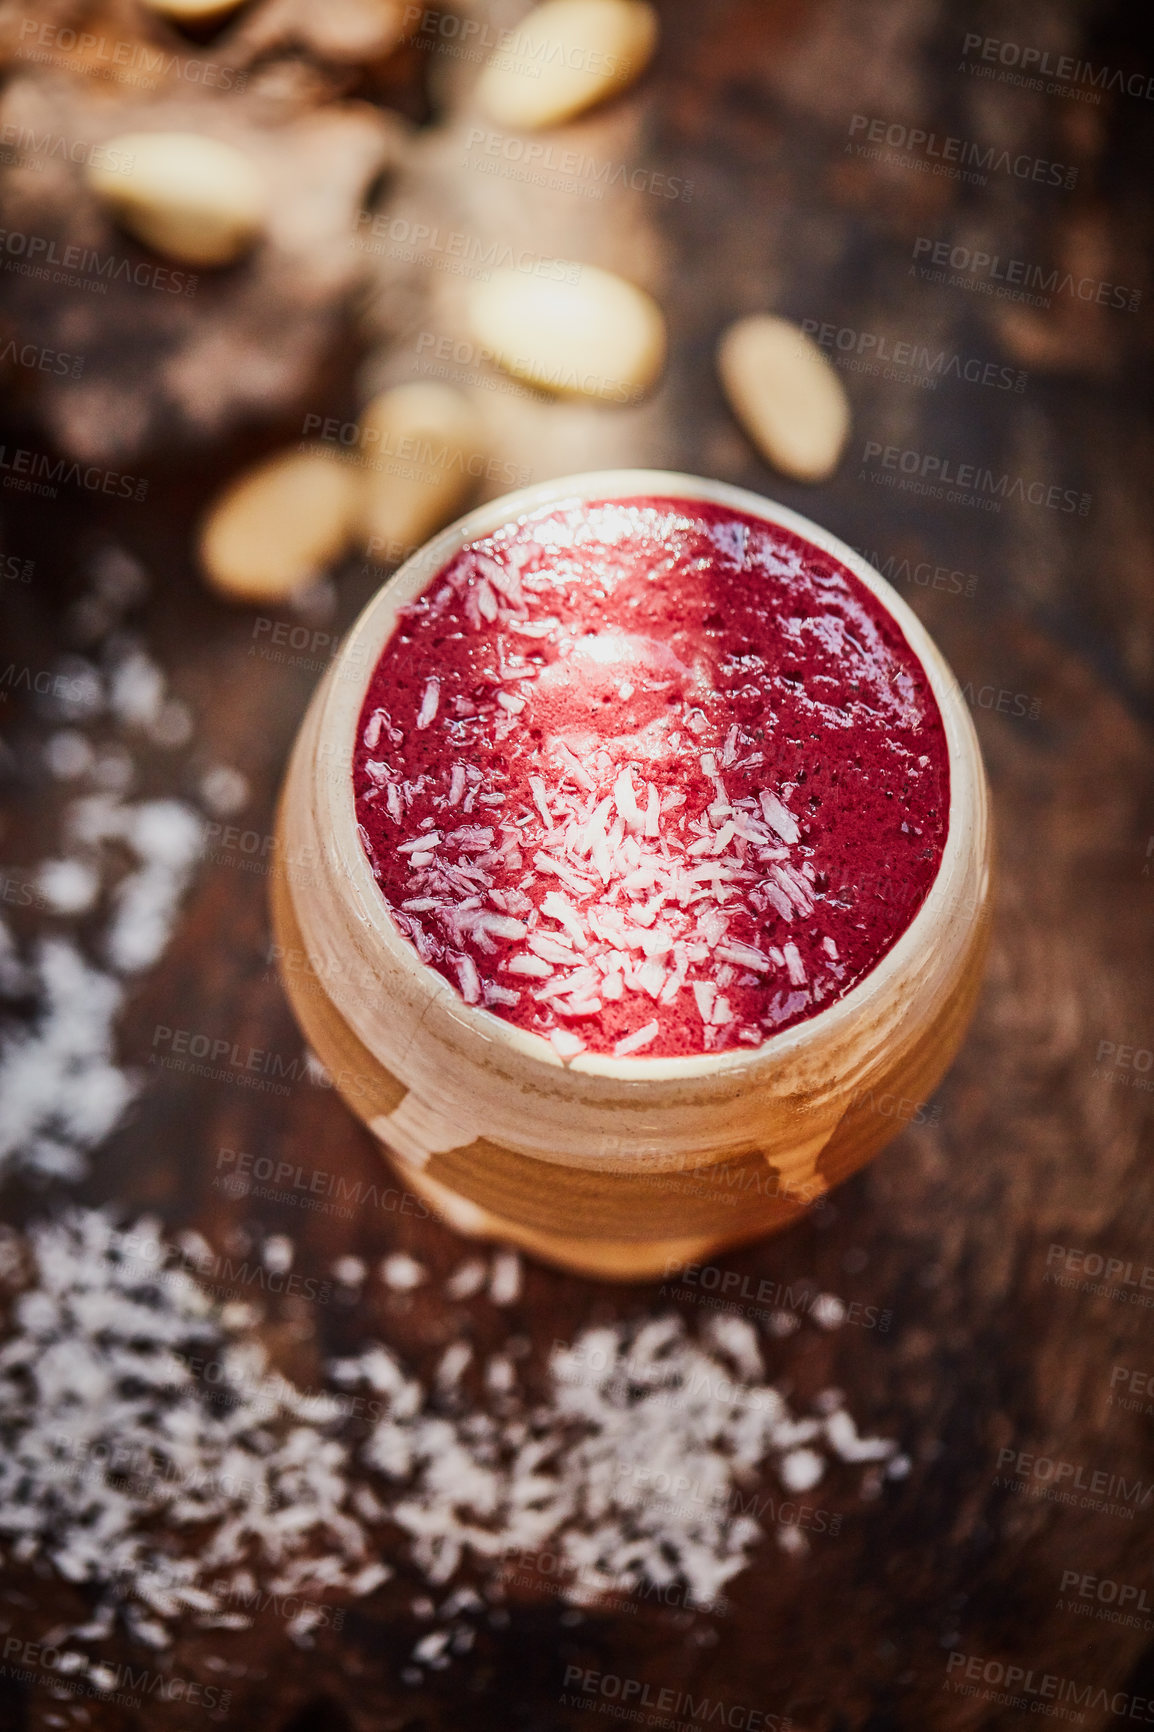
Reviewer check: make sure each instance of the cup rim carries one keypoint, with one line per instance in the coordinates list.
(366, 641)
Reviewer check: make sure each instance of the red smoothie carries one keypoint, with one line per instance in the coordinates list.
(650, 776)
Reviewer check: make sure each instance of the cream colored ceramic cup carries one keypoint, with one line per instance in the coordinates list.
(614, 1167)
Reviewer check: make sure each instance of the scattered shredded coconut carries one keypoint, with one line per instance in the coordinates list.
(467, 1281)
(402, 1272)
(61, 1090)
(505, 1279)
(801, 1470)
(277, 1254)
(171, 1493)
(828, 1310)
(224, 791)
(68, 886)
(631, 1474)
(68, 754)
(152, 1452)
(136, 690)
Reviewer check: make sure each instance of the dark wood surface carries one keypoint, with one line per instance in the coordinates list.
(1030, 1142)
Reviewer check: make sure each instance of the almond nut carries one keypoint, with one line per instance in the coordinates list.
(422, 446)
(279, 525)
(786, 395)
(597, 337)
(192, 198)
(566, 56)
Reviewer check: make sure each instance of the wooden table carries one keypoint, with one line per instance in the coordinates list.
(1035, 1140)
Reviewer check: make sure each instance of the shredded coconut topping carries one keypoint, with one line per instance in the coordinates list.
(631, 787)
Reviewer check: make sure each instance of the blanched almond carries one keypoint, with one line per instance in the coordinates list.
(192, 198)
(566, 56)
(598, 337)
(422, 447)
(278, 526)
(786, 395)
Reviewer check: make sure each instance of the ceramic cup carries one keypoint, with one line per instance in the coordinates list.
(614, 1167)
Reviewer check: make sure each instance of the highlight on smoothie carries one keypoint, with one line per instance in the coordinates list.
(650, 777)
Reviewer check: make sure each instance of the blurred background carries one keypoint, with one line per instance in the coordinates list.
(954, 204)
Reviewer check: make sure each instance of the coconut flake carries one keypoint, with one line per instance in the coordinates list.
(180, 1501)
(641, 1037)
(566, 1043)
(794, 964)
(402, 1273)
(778, 818)
(429, 702)
(505, 1278)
